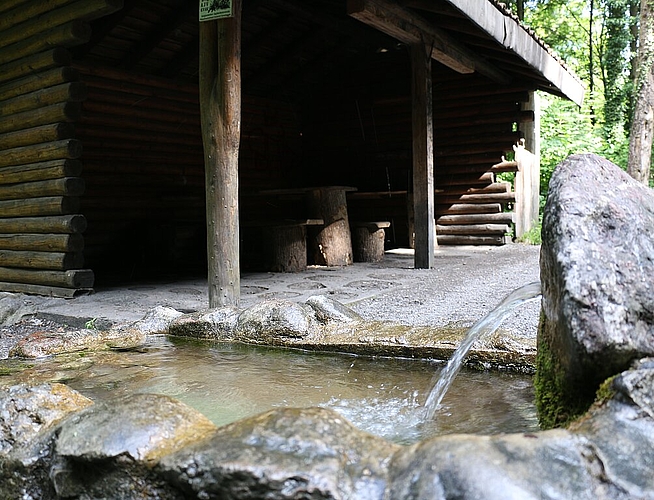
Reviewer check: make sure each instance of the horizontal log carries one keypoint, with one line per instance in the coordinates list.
(80, 278)
(53, 169)
(63, 224)
(135, 100)
(473, 229)
(66, 35)
(451, 239)
(35, 63)
(473, 179)
(95, 132)
(66, 92)
(68, 186)
(41, 16)
(461, 219)
(38, 81)
(519, 116)
(42, 260)
(475, 198)
(94, 117)
(107, 73)
(6, 5)
(505, 166)
(57, 150)
(42, 242)
(133, 112)
(468, 208)
(48, 291)
(52, 205)
(37, 135)
(62, 112)
(496, 187)
(144, 90)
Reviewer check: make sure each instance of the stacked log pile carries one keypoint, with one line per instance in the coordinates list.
(41, 228)
(470, 205)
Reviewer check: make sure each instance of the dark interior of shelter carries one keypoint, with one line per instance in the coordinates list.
(326, 101)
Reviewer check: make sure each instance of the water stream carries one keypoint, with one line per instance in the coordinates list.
(443, 380)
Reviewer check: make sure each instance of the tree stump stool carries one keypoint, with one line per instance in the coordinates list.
(332, 244)
(286, 245)
(368, 241)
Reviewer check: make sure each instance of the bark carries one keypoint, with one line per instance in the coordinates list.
(642, 125)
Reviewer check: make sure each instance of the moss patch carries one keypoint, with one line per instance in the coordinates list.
(558, 403)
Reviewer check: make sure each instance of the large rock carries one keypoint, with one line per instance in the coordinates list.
(29, 416)
(597, 270)
(284, 454)
(274, 322)
(117, 443)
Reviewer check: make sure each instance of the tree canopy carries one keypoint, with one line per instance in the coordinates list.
(598, 40)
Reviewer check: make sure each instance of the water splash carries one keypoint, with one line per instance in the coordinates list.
(487, 325)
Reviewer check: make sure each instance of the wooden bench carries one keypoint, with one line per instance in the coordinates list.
(368, 241)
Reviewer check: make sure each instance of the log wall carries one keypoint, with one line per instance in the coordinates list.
(363, 139)
(144, 171)
(41, 242)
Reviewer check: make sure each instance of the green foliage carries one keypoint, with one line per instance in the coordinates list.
(533, 236)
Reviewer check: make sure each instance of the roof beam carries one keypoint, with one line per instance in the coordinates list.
(410, 28)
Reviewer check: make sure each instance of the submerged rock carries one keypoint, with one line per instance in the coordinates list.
(597, 269)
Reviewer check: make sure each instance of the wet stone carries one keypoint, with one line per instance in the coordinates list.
(329, 309)
(217, 324)
(273, 321)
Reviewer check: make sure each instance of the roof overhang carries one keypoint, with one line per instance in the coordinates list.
(400, 21)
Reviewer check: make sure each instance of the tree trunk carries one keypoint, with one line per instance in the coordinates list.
(640, 141)
(220, 109)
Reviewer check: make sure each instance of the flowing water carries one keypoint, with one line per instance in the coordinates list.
(484, 327)
(229, 382)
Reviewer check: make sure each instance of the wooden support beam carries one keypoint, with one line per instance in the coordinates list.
(220, 109)
(423, 158)
(411, 29)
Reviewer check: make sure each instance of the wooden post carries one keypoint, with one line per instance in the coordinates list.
(423, 157)
(220, 109)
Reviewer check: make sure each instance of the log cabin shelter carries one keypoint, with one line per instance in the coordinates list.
(405, 104)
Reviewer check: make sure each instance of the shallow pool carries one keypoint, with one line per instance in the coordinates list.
(228, 382)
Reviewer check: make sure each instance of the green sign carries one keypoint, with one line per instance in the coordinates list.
(215, 9)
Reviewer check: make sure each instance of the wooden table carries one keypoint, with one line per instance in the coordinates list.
(331, 243)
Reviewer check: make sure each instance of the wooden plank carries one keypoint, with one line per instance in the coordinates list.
(220, 109)
(80, 278)
(423, 158)
(48, 291)
(62, 112)
(57, 261)
(51, 205)
(32, 9)
(35, 63)
(67, 148)
(66, 35)
(37, 135)
(40, 171)
(68, 186)
(42, 242)
(66, 224)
